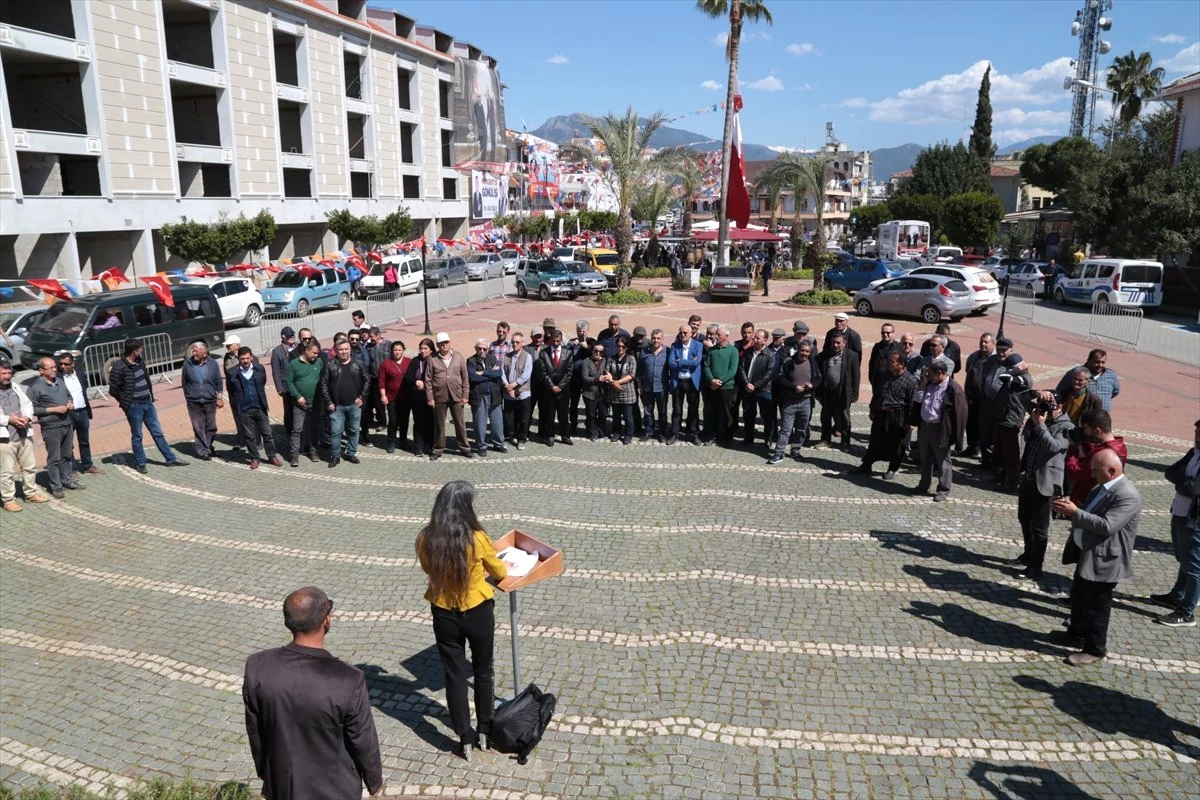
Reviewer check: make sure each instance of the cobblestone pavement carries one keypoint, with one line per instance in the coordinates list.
(723, 628)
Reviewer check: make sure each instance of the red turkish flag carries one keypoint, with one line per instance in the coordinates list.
(374, 255)
(52, 287)
(737, 203)
(161, 289)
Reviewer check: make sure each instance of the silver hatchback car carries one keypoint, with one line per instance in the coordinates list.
(930, 297)
(589, 280)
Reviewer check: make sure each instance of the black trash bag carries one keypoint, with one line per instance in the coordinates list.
(519, 723)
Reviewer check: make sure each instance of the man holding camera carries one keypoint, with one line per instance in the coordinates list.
(1047, 437)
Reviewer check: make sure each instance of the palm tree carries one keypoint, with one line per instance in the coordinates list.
(808, 177)
(631, 168)
(649, 205)
(737, 10)
(1132, 79)
(690, 180)
(772, 189)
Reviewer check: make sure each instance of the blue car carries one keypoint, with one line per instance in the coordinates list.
(856, 275)
(292, 291)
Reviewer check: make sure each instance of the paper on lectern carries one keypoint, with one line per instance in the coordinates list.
(519, 562)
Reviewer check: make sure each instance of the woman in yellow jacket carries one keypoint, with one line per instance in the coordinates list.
(455, 552)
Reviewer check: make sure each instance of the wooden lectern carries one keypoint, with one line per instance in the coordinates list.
(550, 563)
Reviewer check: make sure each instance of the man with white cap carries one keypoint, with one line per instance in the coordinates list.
(841, 324)
(448, 388)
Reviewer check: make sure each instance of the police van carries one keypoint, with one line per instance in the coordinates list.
(1120, 281)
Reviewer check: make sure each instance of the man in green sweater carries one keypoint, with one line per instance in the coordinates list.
(303, 377)
(719, 384)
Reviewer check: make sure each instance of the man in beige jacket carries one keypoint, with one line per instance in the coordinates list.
(447, 388)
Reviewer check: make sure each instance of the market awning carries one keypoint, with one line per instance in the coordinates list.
(738, 235)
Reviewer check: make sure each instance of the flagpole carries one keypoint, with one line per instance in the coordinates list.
(735, 14)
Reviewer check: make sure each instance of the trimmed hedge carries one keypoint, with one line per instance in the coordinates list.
(821, 297)
(628, 297)
(792, 275)
(652, 272)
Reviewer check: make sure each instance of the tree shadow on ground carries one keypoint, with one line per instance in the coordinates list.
(1025, 782)
(1115, 713)
(400, 698)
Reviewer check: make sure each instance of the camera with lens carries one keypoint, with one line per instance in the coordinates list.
(1044, 406)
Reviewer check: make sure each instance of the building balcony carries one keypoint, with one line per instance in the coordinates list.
(293, 93)
(192, 73)
(203, 154)
(296, 161)
(354, 106)
(361, 165)
(44, 44)
(55, 142)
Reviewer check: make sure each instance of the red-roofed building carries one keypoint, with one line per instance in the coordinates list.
(1006, 182)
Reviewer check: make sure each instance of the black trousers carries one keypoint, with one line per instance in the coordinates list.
(288, 403)
(654, 415)
(595, 413)
(887, 438)
(398, 409)
(622, 423)
(835, 415)
(718, 414)
(972, 424)
(685, 392)
(203, 417)
(754, 406)
(1091, 607)
(453, 630)
(1033, 512)
(516, 418)
(422, 427)
(82, 425)
(550, 407)
(256, 428)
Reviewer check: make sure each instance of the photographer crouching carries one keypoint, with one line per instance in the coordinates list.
(1047, 437)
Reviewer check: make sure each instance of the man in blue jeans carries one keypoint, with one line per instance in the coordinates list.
(129, 383)
(1185, 535)
(344, 385)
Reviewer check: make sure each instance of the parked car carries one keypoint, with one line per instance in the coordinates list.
(908, 264)
(1030, 275)
(731, 282)
(408, 274)
(546, 278)
(942, 254)
(1120, 281)
(509, 258)
(112, 317)
(483, 266)
(16, 322)
(589, 280)
(867, 247)
(239, 301)
(603, 261)
(985, 291)
(292, 291)
(968, 260)
(930, 297)
(441, 272)
(999, 266)
(858, 273)
(563, 253)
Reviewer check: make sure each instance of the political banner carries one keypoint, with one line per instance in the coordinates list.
(487, 199)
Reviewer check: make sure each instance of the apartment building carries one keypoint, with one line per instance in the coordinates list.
(117, 116)
(847, 188)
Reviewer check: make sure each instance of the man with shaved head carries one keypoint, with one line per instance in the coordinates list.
(308, 715)
(1103, 532)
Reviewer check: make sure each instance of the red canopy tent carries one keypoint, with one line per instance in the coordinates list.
(738, 235)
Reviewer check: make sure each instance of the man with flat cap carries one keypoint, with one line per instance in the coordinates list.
(308, 715)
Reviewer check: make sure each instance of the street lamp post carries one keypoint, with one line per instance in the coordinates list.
(424, 285)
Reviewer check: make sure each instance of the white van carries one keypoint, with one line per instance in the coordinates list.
(409, 272)
(944, 254)
(1121, 281)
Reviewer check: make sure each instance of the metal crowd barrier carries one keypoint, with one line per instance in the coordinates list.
(1022, 303)
(1122, 324)
(385, 308)
(271, 324)
(158, 355)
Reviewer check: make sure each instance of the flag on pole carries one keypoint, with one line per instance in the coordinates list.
(52, 287)
(738, 206)
(161, 289)
(112, 278)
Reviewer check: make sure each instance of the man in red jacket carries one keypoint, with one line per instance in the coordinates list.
(1094, 434)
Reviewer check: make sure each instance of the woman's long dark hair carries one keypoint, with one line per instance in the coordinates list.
(445, 544)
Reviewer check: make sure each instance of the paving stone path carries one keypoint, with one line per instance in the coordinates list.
(723, 629)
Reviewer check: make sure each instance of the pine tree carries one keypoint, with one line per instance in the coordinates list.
(981, 132)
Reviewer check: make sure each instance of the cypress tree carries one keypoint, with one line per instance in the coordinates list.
(981, 132)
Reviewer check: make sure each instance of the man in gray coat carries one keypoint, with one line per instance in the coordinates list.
(204, 391)
(52, 407)
(1047, 437)
(1103, 533)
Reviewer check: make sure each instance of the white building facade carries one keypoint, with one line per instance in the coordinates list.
(117, 116)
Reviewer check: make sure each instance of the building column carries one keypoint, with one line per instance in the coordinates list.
(143, 254)
(70, 259)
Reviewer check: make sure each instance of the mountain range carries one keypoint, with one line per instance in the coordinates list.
(885, 162)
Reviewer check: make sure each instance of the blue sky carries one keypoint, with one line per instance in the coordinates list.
(885, 73)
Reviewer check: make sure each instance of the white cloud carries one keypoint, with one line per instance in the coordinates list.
(1186, 60)
(953, 96)
(722, 38)
(712, 86)
(805, 87)
(1009, 135)
(557, 59)
(855, 102)
(802, 49)
(767, 84)
(1170, 38)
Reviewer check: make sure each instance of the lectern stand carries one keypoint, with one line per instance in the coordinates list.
(550, 563)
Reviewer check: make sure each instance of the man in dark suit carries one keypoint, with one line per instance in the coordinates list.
(308, 715)
(81, 410)
(940, 417)
(248, 394)
(841, 324)
(839, 389)
(1103, 532)
(755, 376)
(281, 354)
(554, 366)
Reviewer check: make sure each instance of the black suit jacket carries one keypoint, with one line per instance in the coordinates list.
(550, 375)
(853, 341)
(83, 384)
(308, 718)
(847, 391)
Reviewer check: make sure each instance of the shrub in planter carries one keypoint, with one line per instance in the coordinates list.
(791, 275)
(652, 272)
(628, 297)
(821, 297)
